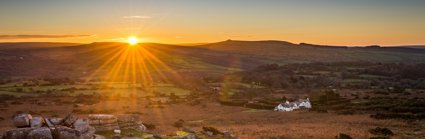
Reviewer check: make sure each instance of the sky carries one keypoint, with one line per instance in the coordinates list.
(331, 22)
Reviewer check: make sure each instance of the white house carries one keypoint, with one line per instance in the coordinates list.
(304, 103)
(290, 106)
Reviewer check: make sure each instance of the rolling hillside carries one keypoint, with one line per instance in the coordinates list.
(77, 60)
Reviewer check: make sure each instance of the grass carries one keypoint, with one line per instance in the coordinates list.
(354, 81)
(255, 110)
(16, 94)
(118, 87)
(170, 88)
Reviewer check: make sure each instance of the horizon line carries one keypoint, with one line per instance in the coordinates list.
(202, 43)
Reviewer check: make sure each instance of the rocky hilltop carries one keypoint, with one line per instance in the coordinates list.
(97, 126)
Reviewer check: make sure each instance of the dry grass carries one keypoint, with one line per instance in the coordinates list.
(242, 122)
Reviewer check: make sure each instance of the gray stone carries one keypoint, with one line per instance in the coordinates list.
(106, 121)
(103, 122)
(81, 125)
(19, 133)
(22, 120)
(208, 133)
(128, 118)
(56, 121)
(49, 124)
(36, 122)
(69, 120)
(62, 132)
(40, 133)
(101, 116)
(142, 127)
(89, 134)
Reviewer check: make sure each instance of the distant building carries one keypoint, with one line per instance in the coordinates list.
(290, 106)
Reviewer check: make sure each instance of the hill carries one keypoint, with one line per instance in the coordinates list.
(77, 60)
(32, 45)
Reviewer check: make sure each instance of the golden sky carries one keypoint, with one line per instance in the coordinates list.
(333, 22)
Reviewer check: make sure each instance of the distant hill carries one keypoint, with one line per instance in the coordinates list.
(27, 45)
(75, 60)
(414, 46)
(285, 52)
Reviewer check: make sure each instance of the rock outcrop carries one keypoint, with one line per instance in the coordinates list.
(70, 127)
(107, 122)
(22, 120)
(40, 133)
(73, 127)
(103, 122)
(63, 132)
(18, 133)
(36, 122)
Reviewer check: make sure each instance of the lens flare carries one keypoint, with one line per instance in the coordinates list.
(132, 40)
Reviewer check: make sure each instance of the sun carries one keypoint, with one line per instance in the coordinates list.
(132, 40)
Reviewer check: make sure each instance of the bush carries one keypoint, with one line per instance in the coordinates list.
(346, 112)
(233, 102)
(407, 109)
(343, 136)
(178, 123)
(149, 126)
(381, 132)
(213, 130)
(407, 116)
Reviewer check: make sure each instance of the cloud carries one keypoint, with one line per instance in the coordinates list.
(137, 17)
(40, 36)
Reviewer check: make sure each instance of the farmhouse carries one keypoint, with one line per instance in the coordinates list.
(290, 106)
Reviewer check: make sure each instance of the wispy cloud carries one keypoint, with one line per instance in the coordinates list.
(137, 17)
(41, 36)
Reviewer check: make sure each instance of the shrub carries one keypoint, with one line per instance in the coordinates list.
(178, 123)
(149, 126)
(343, 136)
(381, 131)
(213, 130)
(233, 102)
(407, 116)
